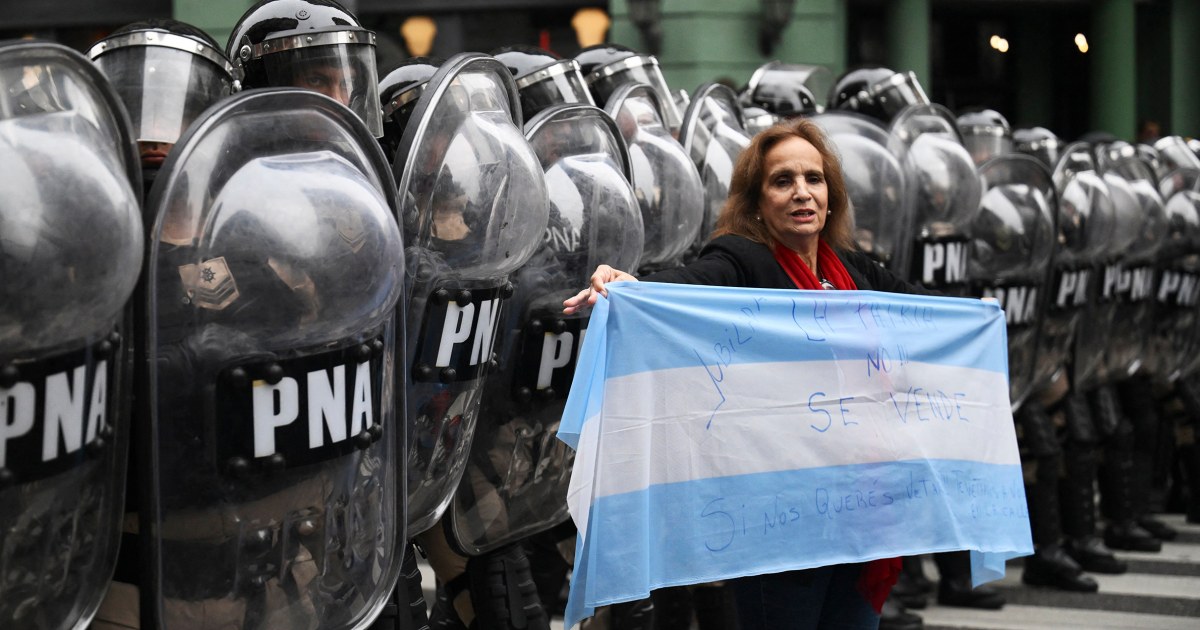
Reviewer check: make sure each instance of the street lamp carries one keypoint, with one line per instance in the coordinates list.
(775, 17)
(646, 15)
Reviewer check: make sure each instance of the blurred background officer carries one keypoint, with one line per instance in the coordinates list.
(166, 73)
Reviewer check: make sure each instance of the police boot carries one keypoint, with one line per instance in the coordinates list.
(405, 609)
(913, 569)
(672, 608)
(503, 592)
(1140, 406)
(715, 606)
(954, 588)
(1051, 566)
(1117, 479)
(1189, 395)
(636, 615)
(895, 617)
(908, 591)
(1077, 491)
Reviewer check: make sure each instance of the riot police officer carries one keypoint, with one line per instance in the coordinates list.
(312, 44)
(607, 67)
(786, 90)
(167, 72)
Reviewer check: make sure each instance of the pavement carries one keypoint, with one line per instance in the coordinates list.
(1161, 591)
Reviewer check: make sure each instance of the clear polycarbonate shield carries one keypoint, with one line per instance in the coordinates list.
(1129, 282)
(275, 270)
(946, 193)
(877, 184)
(70, 254)
(606, 80)
(1012, 242)
(165, 80)
(344, 72)
(713, 134)
(516, 483)
(1175, 154)
(1174, 342)
(668, 186)
(985, 143)
(1086, 222)
(474, 210)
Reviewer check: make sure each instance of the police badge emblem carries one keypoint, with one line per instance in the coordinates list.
(209, 284)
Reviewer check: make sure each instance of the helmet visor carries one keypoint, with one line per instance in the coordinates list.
(344, 72)
(164, 89)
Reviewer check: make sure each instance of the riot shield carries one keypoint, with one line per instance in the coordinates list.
(946, 192)
(758, 119)
(473, 210)
(878, 185)
(1129, 283)
(713, 135)
(1012, 241)
(1176, 333)
(667, 185)
(70, 255)
(275, 270)
(1085, 230)
(516, 483)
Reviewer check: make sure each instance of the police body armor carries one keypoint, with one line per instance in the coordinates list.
(1012, 241)
(1177, 325)
(946, 192)
(713, 134)
(878, 185)
(667, 185)
(516, 483)
(275, 271)
(473, 211)
(70, 255)
(1085, 231)
(1130, 282)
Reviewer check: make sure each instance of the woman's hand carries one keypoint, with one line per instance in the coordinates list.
(587, 297)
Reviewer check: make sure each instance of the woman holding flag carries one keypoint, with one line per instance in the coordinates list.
(787, 225)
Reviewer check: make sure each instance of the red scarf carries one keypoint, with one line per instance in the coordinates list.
(830, 265)
(878, 576)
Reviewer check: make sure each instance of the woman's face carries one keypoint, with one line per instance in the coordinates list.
(795, 196)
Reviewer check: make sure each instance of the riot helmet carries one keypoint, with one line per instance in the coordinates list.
(313, 44)
(879, 92)
(398, 94)
(543, 78)
(985, 134)
(786, 89)
(607, 67)
(1039, 142)
(758, 119)
(166, 72)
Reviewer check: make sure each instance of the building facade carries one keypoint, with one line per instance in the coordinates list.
(1073, 66)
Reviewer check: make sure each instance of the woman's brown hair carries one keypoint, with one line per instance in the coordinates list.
(740, 214)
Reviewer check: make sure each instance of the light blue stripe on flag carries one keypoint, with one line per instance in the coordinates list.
(728, 432)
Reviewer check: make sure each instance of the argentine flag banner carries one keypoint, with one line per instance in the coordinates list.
(724, 432)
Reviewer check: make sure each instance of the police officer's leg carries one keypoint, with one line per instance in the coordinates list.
(1117, 476)
(1189, 446)
(1077, 489)
(1041, 460)
(405, 609)
(954, 587)
(1139, 404)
